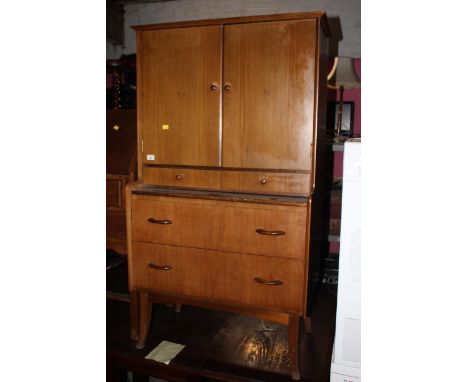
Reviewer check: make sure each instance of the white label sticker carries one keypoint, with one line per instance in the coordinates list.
(150, 157)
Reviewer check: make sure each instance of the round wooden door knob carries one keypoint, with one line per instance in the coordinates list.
(263, 181)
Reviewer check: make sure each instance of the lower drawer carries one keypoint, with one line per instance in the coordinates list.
(215, 276)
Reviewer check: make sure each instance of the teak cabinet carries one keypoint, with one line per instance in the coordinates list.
(231, 133)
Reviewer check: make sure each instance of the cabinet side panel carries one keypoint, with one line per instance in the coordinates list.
(268, 112)
(322, 174)
(179, 113)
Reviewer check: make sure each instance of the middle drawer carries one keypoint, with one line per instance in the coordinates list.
(262, 229)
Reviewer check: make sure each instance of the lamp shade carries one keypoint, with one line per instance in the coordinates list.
(343, 74)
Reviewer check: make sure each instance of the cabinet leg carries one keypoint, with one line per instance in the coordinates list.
(293, 334)
(178, 308)
(134, 315)
(308, 325)
(145, 319)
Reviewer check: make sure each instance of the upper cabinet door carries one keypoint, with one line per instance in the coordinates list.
(179, 95)
(268, 96)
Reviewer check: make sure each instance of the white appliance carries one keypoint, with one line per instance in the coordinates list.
(346, 360)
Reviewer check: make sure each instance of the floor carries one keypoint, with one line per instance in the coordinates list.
(220, 345)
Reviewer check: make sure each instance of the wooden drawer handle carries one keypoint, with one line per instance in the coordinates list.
(160, 267)
(262, 231)
(264, 282)
(179, 176)
(157, 221)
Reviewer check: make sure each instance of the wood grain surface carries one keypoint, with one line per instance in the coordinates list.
(321, 15)
(179, 113)
(213, 275)
(226, 226)
(224, 346)
(268, 113)
(182, 177)
(266, 182)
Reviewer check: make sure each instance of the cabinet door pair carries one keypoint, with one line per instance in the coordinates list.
(239, 96)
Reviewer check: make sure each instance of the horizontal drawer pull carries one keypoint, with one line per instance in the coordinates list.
(160, 267)
(158, 221)
(262, 231)
(264, 282)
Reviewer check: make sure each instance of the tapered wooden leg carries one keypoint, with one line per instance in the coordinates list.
(293, 334)
(145, 319)
(178, 308)
(308, 325)
(134, 315)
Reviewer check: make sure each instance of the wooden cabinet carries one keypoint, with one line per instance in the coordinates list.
(230, 136)
(120, 170)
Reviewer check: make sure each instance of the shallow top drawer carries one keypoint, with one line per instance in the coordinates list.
(269, 230)
(182, 177)
(266, 182)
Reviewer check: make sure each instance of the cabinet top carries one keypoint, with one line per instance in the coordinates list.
(239, 20)
(145, 189)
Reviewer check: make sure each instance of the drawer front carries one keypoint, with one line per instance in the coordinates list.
(262, 229)
(219, 276)
(113, 193)
(180, 177)
(266, 182)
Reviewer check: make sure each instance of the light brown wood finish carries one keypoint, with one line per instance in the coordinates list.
(134, 298)
(177, 69)
(266, 182)
(223, 226)
(213, 245)
(321, 15)
(215, 275)
(182, 177)
(263, 182)
(268, 112)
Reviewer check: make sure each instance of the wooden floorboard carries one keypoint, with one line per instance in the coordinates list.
(225, 346)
